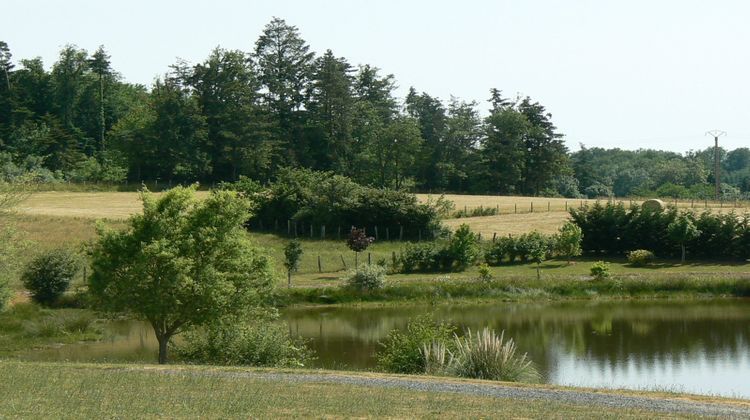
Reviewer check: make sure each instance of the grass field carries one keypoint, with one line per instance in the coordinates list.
(48, 390)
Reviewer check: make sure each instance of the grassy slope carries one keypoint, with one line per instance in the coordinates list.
(48, 390)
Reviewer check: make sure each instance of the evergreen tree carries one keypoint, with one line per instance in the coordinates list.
(285, 68)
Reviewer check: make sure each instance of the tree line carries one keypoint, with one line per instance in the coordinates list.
(279, 105)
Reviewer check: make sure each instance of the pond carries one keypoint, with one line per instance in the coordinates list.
(700, 346)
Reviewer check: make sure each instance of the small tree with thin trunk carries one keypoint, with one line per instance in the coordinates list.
(537, 250)
(358, 241)
(568, 241)
(180, 264)
(682, 230)
(292, 255)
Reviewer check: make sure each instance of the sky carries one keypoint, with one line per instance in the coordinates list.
(630, 74)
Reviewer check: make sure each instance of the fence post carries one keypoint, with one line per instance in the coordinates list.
(323, 232)
(320, 267)
(532, 206)
(393, 258)
(369, 259)
(494, 235)
(548, 206)
(497, 208)
(515, 208)
(566, 205)
(343, 261)
(479, 237)
(311, 231)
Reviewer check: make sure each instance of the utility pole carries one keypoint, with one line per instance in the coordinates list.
(717, 176)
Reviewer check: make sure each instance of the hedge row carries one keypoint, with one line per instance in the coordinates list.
(614, 229)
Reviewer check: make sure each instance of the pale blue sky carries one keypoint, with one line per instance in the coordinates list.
(626, 74)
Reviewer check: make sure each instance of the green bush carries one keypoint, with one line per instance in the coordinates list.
(419, 257)
(485, 275)
(463, 247)
(48, 275)
(501, 249)
(401, 352)
(248, 344)
(599, 270)
(367, 277)
(640, 257)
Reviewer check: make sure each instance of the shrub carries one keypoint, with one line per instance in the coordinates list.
(48, 275)
(292, 255)
(420, 257)
(486, 355)
(249, 344)
(501, 249)
(640, 257)
(367, 277)
(401, 352)
(463, 246)
(599, 270)
(484, 273)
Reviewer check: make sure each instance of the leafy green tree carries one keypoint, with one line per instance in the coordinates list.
(682, 230)
(463, 134)
(568, 240)
(292, 256)
(464, 246)
(430, 114)
(49, 274)
(546, 154)
(182, 263)
(100, 65)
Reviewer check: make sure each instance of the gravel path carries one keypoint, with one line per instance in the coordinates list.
(602, 400)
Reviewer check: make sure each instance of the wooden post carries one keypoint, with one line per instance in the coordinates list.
(320, 267)
(515, 207)
(494, 235)
(393, 258)
(343, 261)
(323, 232)
(369, 259)
(479, 236)
(548, 206)
(497, 208)
(532, 206)
(566, 205)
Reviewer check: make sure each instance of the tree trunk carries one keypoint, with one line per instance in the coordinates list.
(289, 279)
(683, 254)
(356, 260)
(163, 340)
(538, 271)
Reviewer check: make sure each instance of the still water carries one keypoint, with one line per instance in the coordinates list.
(695, 346)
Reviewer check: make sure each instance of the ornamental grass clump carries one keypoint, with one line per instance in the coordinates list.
(485, 355)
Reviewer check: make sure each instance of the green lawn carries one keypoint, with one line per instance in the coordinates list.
(46, 390)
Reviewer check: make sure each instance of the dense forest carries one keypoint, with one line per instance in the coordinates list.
(254, 113)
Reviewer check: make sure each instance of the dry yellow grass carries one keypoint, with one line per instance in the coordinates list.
(514, 224)
(93, 205)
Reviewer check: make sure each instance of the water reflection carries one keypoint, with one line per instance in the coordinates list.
(697, 346)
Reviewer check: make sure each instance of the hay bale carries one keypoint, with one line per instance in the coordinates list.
(653, 205)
